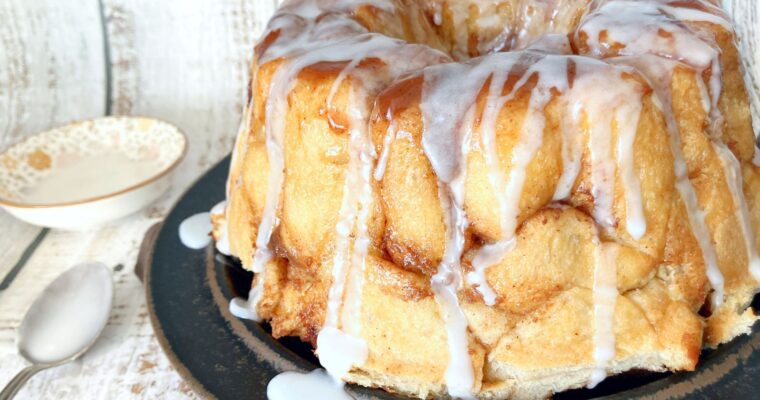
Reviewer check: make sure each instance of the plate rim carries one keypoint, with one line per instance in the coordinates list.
(678, 385)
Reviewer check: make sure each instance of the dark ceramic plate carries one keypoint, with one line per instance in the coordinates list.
(223, 357)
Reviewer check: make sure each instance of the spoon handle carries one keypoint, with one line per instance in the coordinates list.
(19, 380)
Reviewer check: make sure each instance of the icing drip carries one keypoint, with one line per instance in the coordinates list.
(437, 13)
(195, 231)
(627, 119)
(441, 129)
(603, 167)
(604, 298)
(655, 27)
(491, 253)
(340, 348)
(733, 172)
(382, 162)
(357, 195)
(659, 71)
(240, 308)
(463, 82)
(602, 170)
(572, 152)
(339, 39)
(552, 75)
(339, 351)
(223, 242)
(597, 88)
(592, 93)
(599, 103)
(459, 375)
(654, 32)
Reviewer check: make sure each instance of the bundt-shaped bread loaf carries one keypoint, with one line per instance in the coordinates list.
(496, 199)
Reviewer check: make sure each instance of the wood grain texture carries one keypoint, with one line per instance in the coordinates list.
(185, 62)
(52, 59)
(16, 235)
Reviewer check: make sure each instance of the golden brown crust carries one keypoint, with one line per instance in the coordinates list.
(538, 337)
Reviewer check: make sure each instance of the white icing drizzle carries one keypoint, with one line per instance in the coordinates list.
(639, 26)
(302, 39)
(459, 375)
(733, 172)
(437, 13)
(491, 254)
(593, 93)
(338, 350)
(195, 231)
(572, 152)
(655, 27)
(297, 386)
(463, 82)
(442, 128)
(382, 162)
(627, 117)
(223, 241)
(659, 71)
(239, 307)
(604, 298)
(597, 88)
(449, 94)
(340, 39)
(219, 208)
(602, 169)
(552, 75)
(625, 100)
(352, 306)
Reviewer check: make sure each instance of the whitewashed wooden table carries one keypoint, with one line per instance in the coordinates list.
(184, 61)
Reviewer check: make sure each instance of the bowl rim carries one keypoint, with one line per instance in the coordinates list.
(165, 171)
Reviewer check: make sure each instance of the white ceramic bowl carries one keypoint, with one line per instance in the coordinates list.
(90, 172)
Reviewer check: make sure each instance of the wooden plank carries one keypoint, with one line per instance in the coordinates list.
(52, 59)
(127, 361)
(51, 53)
(16, 237)
(746, 16)
(185, 62)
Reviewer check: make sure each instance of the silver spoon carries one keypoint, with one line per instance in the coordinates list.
(64, 321)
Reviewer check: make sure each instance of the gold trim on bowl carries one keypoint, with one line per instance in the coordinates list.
(171, 167)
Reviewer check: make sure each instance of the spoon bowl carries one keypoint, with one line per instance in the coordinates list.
(64, 321)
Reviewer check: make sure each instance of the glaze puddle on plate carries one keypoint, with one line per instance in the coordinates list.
(195, 231)
(316, 384)
(76, 178)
